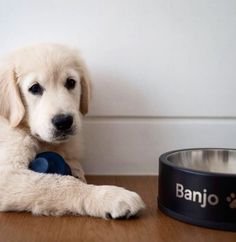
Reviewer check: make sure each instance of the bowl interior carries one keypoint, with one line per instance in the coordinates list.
(212, 160)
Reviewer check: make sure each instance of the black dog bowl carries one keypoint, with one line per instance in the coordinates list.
(198, 186)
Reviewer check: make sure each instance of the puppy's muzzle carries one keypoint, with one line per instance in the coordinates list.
(62, 122)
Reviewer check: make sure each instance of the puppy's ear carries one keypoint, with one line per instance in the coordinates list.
(85, 93)
(85, 86)
(85, 83)
(11, 106)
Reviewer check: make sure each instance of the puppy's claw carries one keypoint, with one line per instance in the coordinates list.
(127, 215)
(108, 216)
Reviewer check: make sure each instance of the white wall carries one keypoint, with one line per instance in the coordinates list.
(163, 72)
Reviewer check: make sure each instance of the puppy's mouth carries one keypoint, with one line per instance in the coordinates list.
(60, 136)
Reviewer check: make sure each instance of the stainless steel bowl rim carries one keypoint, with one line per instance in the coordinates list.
(164, 159)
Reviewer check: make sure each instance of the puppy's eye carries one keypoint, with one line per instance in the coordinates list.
(70, 83)
(36, 89)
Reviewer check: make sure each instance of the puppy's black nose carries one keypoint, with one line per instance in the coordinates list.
(62, 122)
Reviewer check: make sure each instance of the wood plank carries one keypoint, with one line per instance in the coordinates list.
(151, 225)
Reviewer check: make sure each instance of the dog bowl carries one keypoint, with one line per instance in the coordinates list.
(198, 186)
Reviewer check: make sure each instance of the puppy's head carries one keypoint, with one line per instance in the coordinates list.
(46, 87)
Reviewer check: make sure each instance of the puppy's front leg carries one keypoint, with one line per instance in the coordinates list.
(76, 169)
(48, 194)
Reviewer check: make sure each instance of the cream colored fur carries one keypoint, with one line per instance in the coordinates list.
(26, 129)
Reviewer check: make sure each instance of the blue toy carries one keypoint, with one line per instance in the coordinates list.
(50, 162)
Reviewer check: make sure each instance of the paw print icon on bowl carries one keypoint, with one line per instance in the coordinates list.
(231, 199)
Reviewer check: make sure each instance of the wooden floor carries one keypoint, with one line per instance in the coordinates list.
(152, 225)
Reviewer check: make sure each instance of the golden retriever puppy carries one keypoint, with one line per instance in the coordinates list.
(44, 91)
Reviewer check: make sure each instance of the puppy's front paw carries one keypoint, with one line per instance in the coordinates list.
(116, 202)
